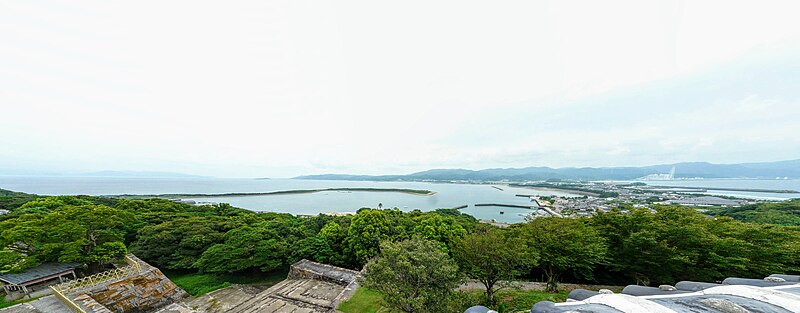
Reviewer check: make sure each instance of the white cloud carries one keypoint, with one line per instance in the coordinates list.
(280, 88)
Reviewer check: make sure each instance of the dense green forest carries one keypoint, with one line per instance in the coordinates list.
(10, 200)
(781, 213)
(618, 247)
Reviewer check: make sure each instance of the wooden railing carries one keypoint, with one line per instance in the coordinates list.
(59, 290)
(133, 263)
(67, 301)
(132, 268)
(95, 279)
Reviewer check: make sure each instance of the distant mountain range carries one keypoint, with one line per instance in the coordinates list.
(770, 170)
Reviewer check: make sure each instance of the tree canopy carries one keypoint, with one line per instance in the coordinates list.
(780, 213)
(86, 233)
(564, 245)
(491, 254)
(650, 247)
(413, 275)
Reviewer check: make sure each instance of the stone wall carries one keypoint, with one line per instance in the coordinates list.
(145, 292)
(306, 269)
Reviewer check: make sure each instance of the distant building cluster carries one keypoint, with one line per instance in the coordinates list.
(668, 176)
(637, 195)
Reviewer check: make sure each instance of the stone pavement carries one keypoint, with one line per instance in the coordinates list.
(223, 300)
(48, 304)
(310, 287)
(293, 296)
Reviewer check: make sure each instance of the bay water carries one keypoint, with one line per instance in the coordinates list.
(446, 195)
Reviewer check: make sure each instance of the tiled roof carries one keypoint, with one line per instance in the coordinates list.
(777, 293)
(41, 271)
(774, 294)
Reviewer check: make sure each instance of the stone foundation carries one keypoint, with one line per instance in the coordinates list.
(145, 292)
(306, 269)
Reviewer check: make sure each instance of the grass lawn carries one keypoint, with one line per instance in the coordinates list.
(5, 304)
(365, 301)
(522, 300)
(370, 301)
(197, 284)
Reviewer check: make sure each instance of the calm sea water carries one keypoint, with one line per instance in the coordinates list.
(447, 195)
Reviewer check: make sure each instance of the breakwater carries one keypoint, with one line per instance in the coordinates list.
(730, 189)
(578, 190)
(532, 207)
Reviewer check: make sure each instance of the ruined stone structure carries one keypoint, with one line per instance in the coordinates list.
(306, 269)
(310, 287)
(145, 291)
(140, 288)
(135, 288)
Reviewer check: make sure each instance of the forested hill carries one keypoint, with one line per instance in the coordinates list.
(780, 213)
(11, 199)
(770, 170)
(614, 247)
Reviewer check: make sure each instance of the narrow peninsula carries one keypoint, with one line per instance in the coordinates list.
(417, 192)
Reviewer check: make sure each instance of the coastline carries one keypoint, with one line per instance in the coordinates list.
(564, 190)
(416, 192)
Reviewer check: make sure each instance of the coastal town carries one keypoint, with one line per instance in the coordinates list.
(586, 198)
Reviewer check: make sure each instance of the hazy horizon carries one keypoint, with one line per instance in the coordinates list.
(282, 89)
(149, 173)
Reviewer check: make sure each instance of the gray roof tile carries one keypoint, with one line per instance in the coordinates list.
(41, 271)
(734, 295)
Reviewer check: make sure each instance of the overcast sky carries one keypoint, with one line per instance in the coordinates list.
(284, 88)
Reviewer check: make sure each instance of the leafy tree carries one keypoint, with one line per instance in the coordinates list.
(10, 200)
(435, 227)
(413, 275)
(565, 244)
(401, 224)
(14, 262)
(368, 228)
(678, 243)
(716, 248)
(51, 203)
(462, 218)
(766, 249)
(245, 248)
(640, 252)
(490, 255)
(91, 234)
(781, 213)
(178, 243)
(329, 244)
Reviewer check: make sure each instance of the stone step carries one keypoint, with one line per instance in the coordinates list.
(272, 305)
(286, 286)
(320, 293)
(252, 302)
(293, 295)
